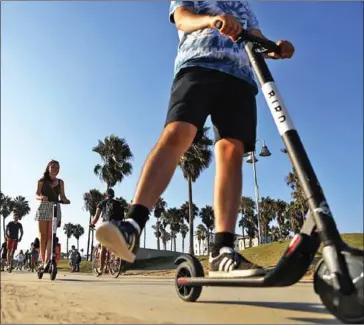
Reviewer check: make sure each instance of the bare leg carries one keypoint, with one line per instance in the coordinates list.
(162, 162)
(158, 170)
(43, 238)
(49, 240)
(228, 183)
(102, 258)
(10, 257)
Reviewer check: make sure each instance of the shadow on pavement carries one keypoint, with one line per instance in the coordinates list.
(306, 307)
(315, 320)
(74, 280)
(113, 282)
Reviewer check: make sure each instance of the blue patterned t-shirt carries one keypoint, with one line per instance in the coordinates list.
(207, 47)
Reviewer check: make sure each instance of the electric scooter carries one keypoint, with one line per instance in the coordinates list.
(338, 277)
(51, 266)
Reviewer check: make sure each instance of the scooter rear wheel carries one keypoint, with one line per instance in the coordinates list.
(348, 309)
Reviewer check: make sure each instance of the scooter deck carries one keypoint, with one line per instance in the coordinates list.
(223, 282)
(273, 278)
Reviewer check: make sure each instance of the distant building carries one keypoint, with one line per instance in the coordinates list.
(201, 246)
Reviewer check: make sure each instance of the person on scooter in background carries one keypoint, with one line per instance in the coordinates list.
(12, 234)
(213, 76)
(111, 210)
(49, 190)
(34, 251)
(58, 250)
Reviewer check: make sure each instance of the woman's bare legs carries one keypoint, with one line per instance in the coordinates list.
(43, 238)
(49, 241)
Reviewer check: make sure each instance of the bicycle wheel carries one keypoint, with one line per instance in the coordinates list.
(116, 266)
(95, 262)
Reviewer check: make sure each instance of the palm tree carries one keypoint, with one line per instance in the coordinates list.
(185, 211)
(250, 221)
(267, 214)
(173, 217)
(116, 155)
(21, 206)
(6, 208)
(157, 232)
(166, 236)
(68, 230)
(280, 209)
(297, 191)
(159, 208)
(294, 214)
(247, 206)
(201, 236)
(91, 200)
(193, 162)
(275, 233)
(208, 218)
(183, 230)
(78, 231)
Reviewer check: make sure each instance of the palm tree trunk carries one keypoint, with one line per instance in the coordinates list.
(190, 216)
(242, 231)
(92, 242)
(171, 241)
(88, 240)
(175, 243)
(157, 230)
(145, 236)
(183, 245)
(78, 248)
(67, 248)
(208, 242)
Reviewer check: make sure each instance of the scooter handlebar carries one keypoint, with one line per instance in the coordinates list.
(62, 202)
(246, 36)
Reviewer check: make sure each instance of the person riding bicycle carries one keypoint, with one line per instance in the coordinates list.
(12, 234)
(111, 210)
(213, 77)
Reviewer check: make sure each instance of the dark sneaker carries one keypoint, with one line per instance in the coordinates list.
(121, 238)
(230, 264)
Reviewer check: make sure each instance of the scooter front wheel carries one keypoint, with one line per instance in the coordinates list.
(53, 272)
(40, 274)
(348, 309)
(189, 267)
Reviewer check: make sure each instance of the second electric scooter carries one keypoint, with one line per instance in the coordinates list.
(51, 266)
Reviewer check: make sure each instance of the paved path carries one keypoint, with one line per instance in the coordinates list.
(85, 299)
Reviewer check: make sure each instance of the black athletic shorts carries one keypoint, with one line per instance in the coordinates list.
(199, 92)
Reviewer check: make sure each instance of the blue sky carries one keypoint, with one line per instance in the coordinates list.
(75, 72)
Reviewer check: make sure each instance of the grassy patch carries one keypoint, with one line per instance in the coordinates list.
(269, 254)
(265, 255)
